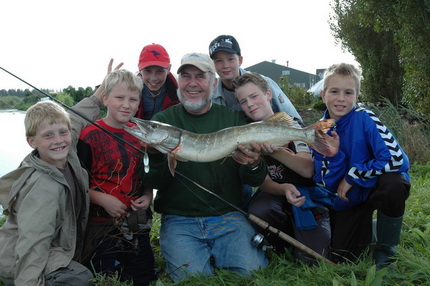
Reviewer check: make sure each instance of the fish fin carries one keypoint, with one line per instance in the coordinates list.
(171, 162)
(281, 117)
(320, 144)
(178, 158)
(239, 157)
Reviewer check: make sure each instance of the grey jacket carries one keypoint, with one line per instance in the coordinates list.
(280, 102)
(42, 233)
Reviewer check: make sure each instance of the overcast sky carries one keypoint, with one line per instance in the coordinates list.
(53, 44)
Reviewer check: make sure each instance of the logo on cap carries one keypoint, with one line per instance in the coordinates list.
(224, 43)
(155, 53)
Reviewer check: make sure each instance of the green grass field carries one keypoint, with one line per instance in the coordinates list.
(412, 266)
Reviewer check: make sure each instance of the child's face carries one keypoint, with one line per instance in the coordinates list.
(254, 102)
(340, 96)
(53, 142)
(154, 77)
(227, 65)
(122, 104)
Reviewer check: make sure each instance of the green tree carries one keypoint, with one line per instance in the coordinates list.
(78, 94)
(414, 38)
(390, 41)
(297, 95)
(356, 25)
(65, 98)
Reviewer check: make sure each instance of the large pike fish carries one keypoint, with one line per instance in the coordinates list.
(184, 145)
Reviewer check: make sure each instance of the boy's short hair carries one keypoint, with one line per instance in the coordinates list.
(343, 69)
(132, 81)
(44, 112)
(251, 77)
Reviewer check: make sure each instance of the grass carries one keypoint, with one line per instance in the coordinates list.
(412, 266)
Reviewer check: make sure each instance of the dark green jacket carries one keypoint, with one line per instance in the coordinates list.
(179, 196)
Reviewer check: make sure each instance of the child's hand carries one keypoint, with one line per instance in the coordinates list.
(113, 206)
(332, 142)
(343, 189)
(267, 149)
(109, 70)
(142, 202)
(293, 195)
(100, 90)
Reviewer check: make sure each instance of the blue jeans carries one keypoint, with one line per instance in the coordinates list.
(189, 243)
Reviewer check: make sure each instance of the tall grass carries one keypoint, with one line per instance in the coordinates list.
(411, 130)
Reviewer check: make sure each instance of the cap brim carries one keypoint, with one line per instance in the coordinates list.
(230, 51)
(154, 63)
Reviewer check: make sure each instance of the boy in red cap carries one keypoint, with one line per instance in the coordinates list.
(159, 91)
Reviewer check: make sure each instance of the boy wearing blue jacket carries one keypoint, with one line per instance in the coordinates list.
(369, 172)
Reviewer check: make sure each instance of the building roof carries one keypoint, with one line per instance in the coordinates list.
(275, 71)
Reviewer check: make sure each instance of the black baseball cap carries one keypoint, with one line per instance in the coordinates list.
(224, 43)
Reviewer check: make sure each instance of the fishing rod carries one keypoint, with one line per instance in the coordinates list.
(76, 112)
(264, 225)
(261, 223)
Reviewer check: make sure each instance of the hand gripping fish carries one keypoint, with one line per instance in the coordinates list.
(187, 146)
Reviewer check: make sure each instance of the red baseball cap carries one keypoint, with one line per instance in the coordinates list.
(154, 55)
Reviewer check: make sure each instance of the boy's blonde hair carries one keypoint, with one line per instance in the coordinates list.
(343, 69)
(133, 82)
(44, 112)
(251, 77)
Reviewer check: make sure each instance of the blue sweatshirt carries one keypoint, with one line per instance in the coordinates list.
(367, 150)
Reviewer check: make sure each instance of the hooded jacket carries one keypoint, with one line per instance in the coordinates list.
(42, 232)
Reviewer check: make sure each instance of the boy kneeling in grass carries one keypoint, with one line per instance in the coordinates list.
(46, 199)
(368, 172)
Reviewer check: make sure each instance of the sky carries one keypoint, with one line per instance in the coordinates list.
(53, 44)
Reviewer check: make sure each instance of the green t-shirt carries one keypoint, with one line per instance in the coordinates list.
(225, 177)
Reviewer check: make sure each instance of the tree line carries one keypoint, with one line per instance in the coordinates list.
(22, 99)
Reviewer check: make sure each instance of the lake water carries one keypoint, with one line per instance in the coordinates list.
(13, 145)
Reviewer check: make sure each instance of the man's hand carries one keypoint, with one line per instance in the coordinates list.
(248, 156)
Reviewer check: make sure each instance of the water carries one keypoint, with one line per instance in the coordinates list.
(13, 145)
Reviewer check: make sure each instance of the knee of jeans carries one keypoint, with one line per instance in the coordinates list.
(181, 272)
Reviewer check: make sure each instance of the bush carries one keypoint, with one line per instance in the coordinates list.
(9, 102)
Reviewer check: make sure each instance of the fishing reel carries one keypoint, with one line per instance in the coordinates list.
(259, 241)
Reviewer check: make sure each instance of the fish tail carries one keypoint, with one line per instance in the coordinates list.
(320, 144)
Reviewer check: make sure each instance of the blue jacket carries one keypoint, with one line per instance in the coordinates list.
(280, 102)
(367, 150)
